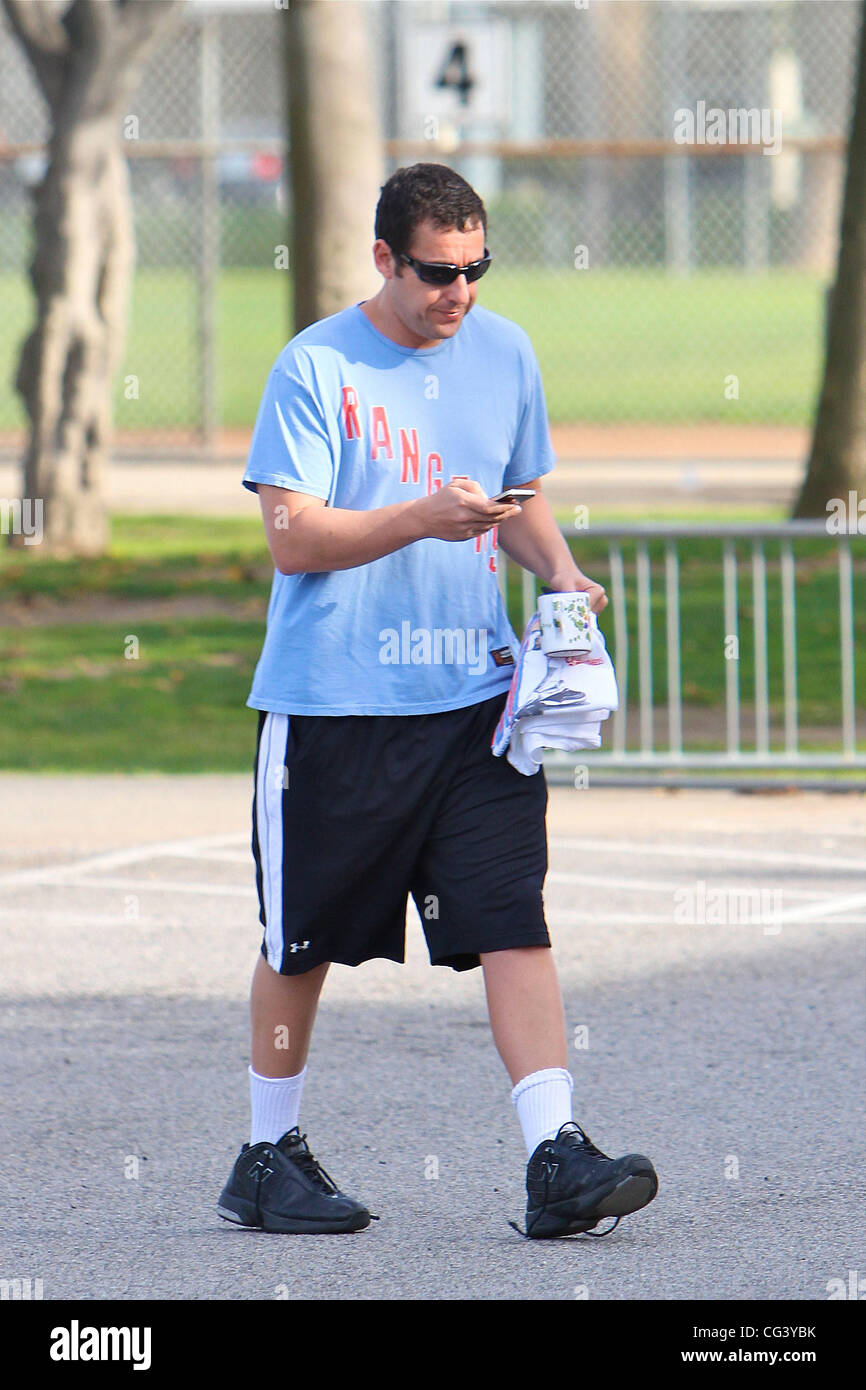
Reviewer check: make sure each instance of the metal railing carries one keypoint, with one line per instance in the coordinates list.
(631, 740)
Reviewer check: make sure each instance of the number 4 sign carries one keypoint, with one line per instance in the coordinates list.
(457, 71)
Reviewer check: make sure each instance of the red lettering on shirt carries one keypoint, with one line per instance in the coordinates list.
(481, 543)
(351, 423)
(410, 455)
(380, 435)
(434, 465)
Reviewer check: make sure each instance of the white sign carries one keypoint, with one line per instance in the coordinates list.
(458, 72)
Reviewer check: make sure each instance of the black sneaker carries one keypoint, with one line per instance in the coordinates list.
(571, 1186)
(281, 1187)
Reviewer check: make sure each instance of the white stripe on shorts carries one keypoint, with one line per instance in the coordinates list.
(269, 812)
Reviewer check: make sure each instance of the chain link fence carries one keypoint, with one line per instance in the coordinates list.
(666, 267)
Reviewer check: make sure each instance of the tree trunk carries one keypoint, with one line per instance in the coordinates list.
(837, 464)
(336, 156)
(86, 58)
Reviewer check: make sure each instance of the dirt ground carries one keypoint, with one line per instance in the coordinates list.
(572, 441)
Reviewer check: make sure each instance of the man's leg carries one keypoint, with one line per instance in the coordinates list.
(282, 1014)
(525, 1006)
(528, 1023)
(571, 1185)
(276, 1183)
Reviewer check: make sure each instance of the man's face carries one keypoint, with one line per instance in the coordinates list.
(433, 312)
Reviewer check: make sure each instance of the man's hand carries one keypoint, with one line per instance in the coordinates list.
(575, 581)
(459, 511)
(535, 541)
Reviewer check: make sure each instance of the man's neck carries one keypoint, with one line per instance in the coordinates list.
(388, 324)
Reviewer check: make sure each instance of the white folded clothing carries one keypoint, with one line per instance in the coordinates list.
(557, 701)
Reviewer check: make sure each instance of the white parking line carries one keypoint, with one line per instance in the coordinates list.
(73, 919)
(828, 908)
(71, 876)
(217, 848)
(756, 856)
(648, 919)
(216, 856)
(117, 858)
(659, 885)
(161, 885)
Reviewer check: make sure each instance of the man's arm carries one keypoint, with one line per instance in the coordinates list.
(307, 537)
(535, 541)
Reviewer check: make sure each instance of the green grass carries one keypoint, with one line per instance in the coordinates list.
(619, 345)
(150, 558)
(614, 345)
(73, 701)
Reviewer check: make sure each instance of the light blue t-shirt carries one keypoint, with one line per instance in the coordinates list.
(352, 417)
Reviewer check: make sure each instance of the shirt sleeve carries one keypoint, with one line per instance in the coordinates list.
(532, 455)
(290, 446)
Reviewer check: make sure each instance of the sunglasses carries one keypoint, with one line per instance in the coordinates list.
(437, 273)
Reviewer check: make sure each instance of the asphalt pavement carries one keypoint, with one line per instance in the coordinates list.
(710, 947)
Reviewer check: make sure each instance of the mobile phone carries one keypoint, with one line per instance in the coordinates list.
(514, 494)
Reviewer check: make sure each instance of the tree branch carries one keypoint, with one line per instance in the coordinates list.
(38, 26)
(91, 25)
(138, 24)
(43, 37)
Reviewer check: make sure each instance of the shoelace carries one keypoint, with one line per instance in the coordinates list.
(597, 1234)
(587, 1145)
(302, 1156)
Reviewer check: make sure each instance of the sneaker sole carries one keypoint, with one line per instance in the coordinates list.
(245, 1215)
(572, 1217)
(290, 1225)
(630, 1195)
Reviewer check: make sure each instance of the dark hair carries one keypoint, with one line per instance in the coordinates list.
(425, 193)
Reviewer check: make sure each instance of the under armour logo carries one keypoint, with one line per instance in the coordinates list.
(298, 946)
(264, 1173)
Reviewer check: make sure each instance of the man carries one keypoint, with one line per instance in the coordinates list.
(383, 434)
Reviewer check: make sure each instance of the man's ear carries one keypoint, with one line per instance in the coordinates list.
(385, 260)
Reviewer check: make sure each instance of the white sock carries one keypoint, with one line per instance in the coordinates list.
(543, 1101)
(275, 1102)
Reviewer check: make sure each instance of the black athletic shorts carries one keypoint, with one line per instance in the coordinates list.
(352, 813)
